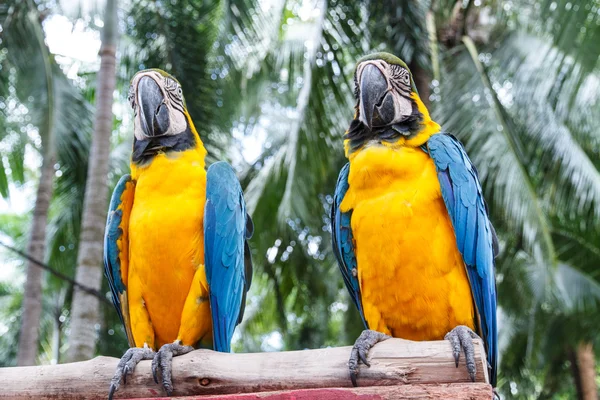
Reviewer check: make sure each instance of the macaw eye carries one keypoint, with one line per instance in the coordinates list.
(172, 86)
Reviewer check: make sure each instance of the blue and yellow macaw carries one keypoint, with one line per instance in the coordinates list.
(410, 226)
(175, 249)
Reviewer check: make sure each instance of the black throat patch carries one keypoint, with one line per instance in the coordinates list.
(358, 134)
(145, 150)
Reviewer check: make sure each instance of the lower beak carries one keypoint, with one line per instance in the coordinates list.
(373, 87)
(154, 114)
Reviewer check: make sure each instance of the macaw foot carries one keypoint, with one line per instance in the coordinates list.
(462, 337)
(367, 339)
(125, 367)
(163, 361)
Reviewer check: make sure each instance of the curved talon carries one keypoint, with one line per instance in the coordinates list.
(496, 394)
(353, 376)
(363, 357)
(162, 362)
(111, 391)
(462, 337)
(126, 366)
(155, 369)
(367, 339)
(455, 343)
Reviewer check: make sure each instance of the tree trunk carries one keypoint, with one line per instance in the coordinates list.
(57, 324)
(572, 353)
(587, 371)
(85, 317)
(56, 327)
(36, 248)
(32, 296)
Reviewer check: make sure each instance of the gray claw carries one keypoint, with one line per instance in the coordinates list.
(367, 339)
(462, 337)
(126, 366)
(162, 362)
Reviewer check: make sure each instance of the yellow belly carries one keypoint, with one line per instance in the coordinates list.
(412, 277)
(166, 239)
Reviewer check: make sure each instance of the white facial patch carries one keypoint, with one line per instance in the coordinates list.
(172, 98)
(399, 85)
(402, 107)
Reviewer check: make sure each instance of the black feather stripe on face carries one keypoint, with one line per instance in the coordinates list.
(175, 101)
(400, 80)
(174, 93)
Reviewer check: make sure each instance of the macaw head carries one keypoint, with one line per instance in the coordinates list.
(385, 89)
(161, 121)
(388, 107)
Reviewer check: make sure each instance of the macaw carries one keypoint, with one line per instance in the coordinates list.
(175, 249)
(410, 226)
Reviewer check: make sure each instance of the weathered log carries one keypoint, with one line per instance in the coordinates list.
(393, 362)
(452, 391)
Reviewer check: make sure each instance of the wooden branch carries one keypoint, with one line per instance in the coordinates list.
(204, 372)
(452, 391)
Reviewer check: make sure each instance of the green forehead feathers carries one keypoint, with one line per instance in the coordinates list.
(161, 72)
(387, 57)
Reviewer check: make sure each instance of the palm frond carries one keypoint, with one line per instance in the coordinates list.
(318, 105)
(26, 89)
(576, 289)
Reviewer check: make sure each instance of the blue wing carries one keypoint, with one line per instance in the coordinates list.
(343, 241)
(226, 253)
(115, 262)
(475, 236)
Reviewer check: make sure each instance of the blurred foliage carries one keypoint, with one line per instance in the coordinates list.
(269, 85)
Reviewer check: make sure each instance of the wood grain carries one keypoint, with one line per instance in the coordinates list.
(204, 372)
(453, 391)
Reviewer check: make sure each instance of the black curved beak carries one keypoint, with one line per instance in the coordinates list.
(154, 114)
(376, 103)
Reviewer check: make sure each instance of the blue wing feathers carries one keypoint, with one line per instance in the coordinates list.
(228, 266)
(475, 236)
(343, 240)
(112, 233)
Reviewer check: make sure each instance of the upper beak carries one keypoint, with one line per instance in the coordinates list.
(154, 114)
(373, 86)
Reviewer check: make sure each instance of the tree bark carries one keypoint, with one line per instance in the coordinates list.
(453, 391)
(56, 327)
(85, 316)
(587, 371)
(572, 354)
(32, 296)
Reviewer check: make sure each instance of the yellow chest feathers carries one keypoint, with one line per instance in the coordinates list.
(381, 170)
(412, 277)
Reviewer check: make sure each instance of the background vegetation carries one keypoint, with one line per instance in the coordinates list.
(269, 86)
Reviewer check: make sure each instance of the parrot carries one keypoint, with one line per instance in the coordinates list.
(410, 227)
(176, 251)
